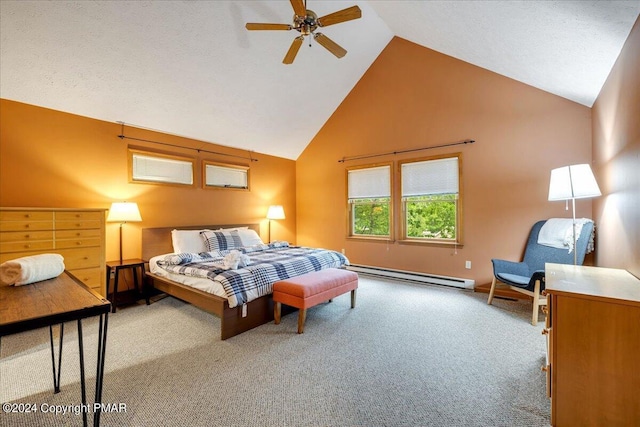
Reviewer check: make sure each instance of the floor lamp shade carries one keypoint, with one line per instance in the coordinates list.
(573, 182)
(123, 212)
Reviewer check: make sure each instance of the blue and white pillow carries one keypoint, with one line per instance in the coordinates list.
(222, 240)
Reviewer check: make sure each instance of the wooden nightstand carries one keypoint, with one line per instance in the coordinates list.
(133, 265)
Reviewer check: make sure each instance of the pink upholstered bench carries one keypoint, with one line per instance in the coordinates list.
(311, 289)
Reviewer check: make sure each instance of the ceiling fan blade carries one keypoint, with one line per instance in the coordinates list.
(298, 7)
(343, 15)
(330, 45)
(254, 26)
(293, 50)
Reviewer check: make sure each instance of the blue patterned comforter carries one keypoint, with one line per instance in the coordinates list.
(267, 265)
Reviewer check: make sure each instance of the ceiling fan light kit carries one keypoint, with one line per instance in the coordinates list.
(305, 21)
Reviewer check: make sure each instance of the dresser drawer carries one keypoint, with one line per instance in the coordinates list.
(25, 236)
(77, 225)
(26, 216)
(77, 234)
(81, 257)
(40, 245)
(26, 225)
(79, 215)
(92, 277)
(6, 256)
(77, 243)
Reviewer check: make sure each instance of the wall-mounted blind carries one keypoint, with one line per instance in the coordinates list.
(429, 177)
(226, 176)
(368, 183)
(161, 169)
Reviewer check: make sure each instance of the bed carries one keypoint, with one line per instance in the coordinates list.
(237, 314)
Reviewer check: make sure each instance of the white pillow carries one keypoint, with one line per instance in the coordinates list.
(249, 237)
(188, 241)
(233, 228)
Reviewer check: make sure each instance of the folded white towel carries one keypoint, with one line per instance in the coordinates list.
(30, 269)
(235, 259)
(558, 232)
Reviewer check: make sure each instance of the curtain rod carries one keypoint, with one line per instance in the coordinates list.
(347, 159)
(123, 136)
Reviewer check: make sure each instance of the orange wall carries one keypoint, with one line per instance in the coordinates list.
(414, 97)
(616, 155)
(54, 159)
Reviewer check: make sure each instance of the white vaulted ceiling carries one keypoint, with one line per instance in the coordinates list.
(190, 68)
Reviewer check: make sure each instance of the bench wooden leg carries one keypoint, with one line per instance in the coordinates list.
(302, 315)
(353, 298)
(276, 312)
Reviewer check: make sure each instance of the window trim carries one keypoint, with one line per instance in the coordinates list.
(349, 215)
(403, 238)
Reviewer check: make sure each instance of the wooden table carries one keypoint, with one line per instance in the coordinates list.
(55, 301)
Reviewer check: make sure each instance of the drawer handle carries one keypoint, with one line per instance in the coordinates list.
(78, 234)
(27, 246)
(545, 332)
(27, 236)
(86, 257)
(27, 215)
(78, 243)
(544, 368)
(26, 225)
(78, 225)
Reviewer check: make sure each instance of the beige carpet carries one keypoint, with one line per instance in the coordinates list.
(407, 355)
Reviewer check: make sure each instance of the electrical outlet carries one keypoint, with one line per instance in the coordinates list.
(344, 252)
(467, 265)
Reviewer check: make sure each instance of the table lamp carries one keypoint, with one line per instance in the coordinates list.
(123, 212)
(274, 212)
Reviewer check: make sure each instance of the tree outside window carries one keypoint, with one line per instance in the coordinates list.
(431, 198)
(369, 200)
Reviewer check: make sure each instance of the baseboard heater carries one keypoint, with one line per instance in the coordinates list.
(414, 276)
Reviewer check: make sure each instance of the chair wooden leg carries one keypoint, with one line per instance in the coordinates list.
(353, 298)
(536, 303)
(276, 312)
(492, 291)
(302, 315)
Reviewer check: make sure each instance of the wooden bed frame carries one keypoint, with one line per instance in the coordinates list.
(157, 241)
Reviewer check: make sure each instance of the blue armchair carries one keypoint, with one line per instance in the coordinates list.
(528, 276)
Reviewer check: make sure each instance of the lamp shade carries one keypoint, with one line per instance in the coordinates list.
(275, 212)
(573, 182)
(124, 212)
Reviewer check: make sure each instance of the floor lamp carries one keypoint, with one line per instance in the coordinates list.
(123, 212)
(274, 212)
(573, 182)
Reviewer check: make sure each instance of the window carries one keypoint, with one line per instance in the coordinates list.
(159, 168)
(369, 199)
(218, 175)
(431, 206)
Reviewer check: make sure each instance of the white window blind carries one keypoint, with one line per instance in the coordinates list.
(430, 177)
(160, 169)
(227, 177)
(369, 183)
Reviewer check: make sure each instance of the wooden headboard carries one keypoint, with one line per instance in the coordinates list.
(157, 241)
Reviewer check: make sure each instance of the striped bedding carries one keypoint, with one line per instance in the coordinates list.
(267, 264)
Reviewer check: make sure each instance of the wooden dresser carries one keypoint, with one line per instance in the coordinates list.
(593, 328)
(76, 234)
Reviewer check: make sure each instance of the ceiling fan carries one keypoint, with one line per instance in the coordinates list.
(305, 21)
